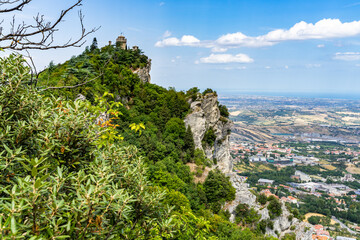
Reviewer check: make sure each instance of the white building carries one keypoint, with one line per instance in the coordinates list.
(265, 182)
(303, 176)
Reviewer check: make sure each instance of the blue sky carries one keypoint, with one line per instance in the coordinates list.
(257, 45)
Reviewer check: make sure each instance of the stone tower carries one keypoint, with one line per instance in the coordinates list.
(121, 42)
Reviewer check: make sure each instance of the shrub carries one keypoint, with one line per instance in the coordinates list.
(275, 208)
(209, 138)
(262, 199)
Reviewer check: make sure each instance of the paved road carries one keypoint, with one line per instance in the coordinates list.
(343, 225)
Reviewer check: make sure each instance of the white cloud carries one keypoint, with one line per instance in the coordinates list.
(323, 29)
(313, 65)
(161, 4)
(286, 67)
(219, 49)
(347, 56)
(166, 34)
(267, 67)
(186, 40)
(321, 45)
(227, 58)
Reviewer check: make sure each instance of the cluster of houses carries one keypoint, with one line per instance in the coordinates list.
(288, 160)
(348, 152)
(273, 154)
(321, 234)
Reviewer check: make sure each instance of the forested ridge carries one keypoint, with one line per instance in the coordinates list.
(112, 166)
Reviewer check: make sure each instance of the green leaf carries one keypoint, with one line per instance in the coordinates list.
(13, 225)
(38, 183)
(34, 172)
(8, 149)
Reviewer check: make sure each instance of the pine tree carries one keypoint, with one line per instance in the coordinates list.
(94, 45)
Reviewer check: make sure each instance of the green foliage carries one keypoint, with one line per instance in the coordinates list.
(208, 90)
(209, 138)
(189, 144)
(193, 93)
(289, 236)
(224, 111)
(218, 189)
(319, 220)
(246, 215)
(281, 177)
(92, 192)
(111, 66)
(111, 167)
(262, 199)
(274, 207)
(328, 207)
(177, 200)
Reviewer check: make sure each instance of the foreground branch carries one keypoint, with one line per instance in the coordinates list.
(74, 86)
(39, 35)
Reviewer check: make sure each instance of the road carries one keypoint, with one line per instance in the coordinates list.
(343, 225)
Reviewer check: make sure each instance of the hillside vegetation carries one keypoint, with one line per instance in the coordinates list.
(112, 166)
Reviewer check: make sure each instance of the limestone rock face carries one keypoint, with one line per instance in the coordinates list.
(282, 224)
(144, 73)
(205, 114)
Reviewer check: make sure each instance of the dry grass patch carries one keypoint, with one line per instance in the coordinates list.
(204, 175)
(328, 167)
(353, 169)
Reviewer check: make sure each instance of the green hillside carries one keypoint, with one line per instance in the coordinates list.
(66, 174)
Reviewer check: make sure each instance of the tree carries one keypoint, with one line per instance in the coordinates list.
(94, 45)
(218, 189)
(275, 208)
(38, 34)
(62, 175)
(224, 111)
(262, 199)
(314, 220)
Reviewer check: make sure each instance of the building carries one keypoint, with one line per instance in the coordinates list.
(121, 42)
(135, 48)
(267, 193)
(265, 182)
(289, 199)
(318, 227)
(302, 176)
(348, 178)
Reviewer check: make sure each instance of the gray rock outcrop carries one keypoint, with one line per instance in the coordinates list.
(282, 224)
(205, 114)
(144, 73)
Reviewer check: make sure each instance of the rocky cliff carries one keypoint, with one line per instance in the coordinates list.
(144, 73)
(205, 115)
(282, 224)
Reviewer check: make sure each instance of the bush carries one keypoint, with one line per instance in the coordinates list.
(262, 199)
(275, 208)
(209, 138)
(218, 188)
(314, 220)
(208, 90)
(224, 111)
(58, 177)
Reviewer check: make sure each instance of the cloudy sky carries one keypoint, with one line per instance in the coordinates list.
(238, 45)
